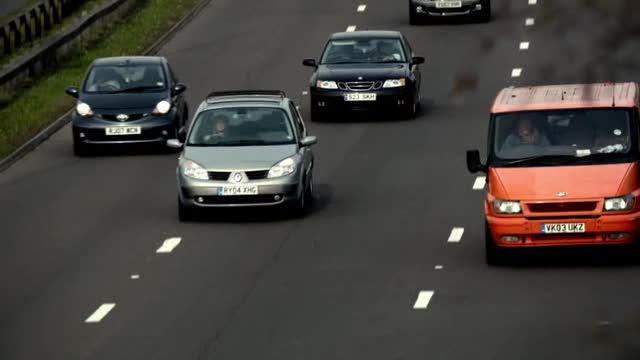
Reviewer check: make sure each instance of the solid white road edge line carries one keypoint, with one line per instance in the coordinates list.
(456, 234)
(362, 8)
(424, 297)
(168, 245)
(479, 183)
(351, 28)
(100, 313)
(516, 72)
(524, 45)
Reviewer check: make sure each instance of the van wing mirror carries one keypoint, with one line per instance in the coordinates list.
(474, 164)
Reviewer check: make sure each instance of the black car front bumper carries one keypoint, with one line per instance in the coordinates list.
(153, 129)
(387, 100)
(429, 8)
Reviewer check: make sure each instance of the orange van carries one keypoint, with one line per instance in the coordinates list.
(562, 167)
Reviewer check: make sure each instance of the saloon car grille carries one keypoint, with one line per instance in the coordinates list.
(240, 199)
(360, 85)
(563, 207)
(224, 175)
(114, 117)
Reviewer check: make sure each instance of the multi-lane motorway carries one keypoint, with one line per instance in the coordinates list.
(375, 272)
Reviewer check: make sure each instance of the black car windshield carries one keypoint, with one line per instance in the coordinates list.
(125, 78)
(358, 51)
(242, 126)
(559, 137)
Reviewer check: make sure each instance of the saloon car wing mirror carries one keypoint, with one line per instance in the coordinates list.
(72, 91)
(416, 60)
(310, 62)
(308, 141)
(178, 89)
(474, 164)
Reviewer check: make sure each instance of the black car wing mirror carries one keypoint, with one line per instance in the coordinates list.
(417, 60)
(310, 62)
(178, 89)
(72, 91)
(474, 164)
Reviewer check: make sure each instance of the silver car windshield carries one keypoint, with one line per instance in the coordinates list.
(573, 132)
(358, 51)
(242, 126)
(126, 78)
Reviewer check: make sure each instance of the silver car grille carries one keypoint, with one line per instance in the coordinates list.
(360, 85)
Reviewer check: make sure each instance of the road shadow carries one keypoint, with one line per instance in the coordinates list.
(373, 117)
(117, 150)
(572, 257)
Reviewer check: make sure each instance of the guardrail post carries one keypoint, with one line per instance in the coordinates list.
(53, 5)
(28, 35)
(37, 24)
(17, 37)
(6, 42)
(45, 15)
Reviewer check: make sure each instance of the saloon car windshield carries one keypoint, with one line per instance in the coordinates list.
(562, 137)
(242, 126)
(358, 51)
(125, 78)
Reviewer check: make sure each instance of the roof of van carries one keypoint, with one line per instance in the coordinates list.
(566, 97)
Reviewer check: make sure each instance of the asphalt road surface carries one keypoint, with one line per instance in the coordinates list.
(371, 273)
(7, 6)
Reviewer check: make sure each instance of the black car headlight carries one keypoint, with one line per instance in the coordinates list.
(83, 109)
(326, 84)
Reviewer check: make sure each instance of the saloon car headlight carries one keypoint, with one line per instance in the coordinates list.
(620, 203)
(324, 84)
(393, 83)
(162, 108)
(194, 170)
(506, 206)
(83, 109)
(283, 168)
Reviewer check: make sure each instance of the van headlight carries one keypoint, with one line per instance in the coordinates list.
(325, 84)
(194, 170)
(283, 168)
(507, 206)
(620, 203)
(83, 109)
(393, 83)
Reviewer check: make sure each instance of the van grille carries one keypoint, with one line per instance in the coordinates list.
(563, 207)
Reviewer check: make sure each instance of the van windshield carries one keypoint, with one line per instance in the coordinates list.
(560, 137)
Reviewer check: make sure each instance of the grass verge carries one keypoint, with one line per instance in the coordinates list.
(45, 101)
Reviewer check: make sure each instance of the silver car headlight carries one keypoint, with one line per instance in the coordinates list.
(194, 170)
(162, 107)
(83, 109)
(620, 203)
(325, 84)
(507, 206)
(283, 168)
(393, 83)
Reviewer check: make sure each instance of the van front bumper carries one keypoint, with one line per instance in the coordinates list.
(600, 229)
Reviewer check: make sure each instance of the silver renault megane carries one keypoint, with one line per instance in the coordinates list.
(245, 148)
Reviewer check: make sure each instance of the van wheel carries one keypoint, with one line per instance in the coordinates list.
(495, 255)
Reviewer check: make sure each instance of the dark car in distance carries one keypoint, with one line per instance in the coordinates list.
(126, 100)
(365, 71)
(423, 10)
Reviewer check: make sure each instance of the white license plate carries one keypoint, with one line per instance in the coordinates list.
(238, 190)
(448, 4)
(564, 228)
(124, 130)
(360, 97)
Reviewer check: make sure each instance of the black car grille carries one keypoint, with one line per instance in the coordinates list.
(219, 175)
(360, 85)
(114, 117)
(241, 199)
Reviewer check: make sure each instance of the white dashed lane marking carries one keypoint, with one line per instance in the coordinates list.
(530, 22)
(135, 277)
(479, 183)
(362, 8)
(100, 313)
(168, 245)
(424, 297)
(516, 72)
(533, 2)
(524, 45)
(351, 28)
(438, 267)
(456, 235)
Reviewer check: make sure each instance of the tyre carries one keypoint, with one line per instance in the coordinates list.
(414, 18)
(185, 213)
(301, 206)
(79, 149)
(485, 14)
(409, 112)
(316, 115)
(495, 255)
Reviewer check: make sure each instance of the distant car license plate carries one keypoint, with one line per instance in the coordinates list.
(124, 130)
(448, 4)
(238, 190)
(563, 228)
(360, 97)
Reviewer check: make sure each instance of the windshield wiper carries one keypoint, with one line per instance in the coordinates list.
(137, 88)
(564, 158)
(242, 142)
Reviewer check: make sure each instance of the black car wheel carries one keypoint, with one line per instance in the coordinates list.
(409, 111)
(79, 149)
(495, 255)
(414, 18)
(316, 115)
(485, 13)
